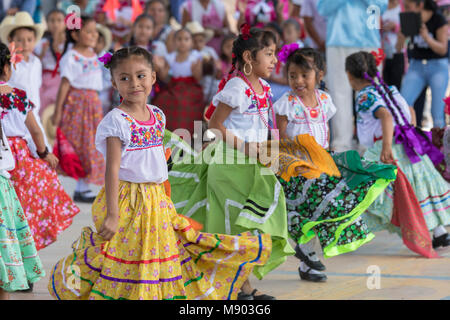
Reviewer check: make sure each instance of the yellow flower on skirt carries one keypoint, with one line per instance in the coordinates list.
(155, 254)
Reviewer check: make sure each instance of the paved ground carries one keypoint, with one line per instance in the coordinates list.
(403, 274)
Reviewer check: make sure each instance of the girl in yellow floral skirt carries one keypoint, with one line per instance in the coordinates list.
(143, 249)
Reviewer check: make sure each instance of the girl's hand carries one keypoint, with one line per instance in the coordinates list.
(52, 160)
(197, 67)
(386, 155)
(109, 226)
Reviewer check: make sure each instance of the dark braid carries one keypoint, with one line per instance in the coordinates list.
(362, 65)
(4, 60)
(391, 97)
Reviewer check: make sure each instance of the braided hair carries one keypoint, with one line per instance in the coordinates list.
(126, 53)
(362, 65)
(257, 40)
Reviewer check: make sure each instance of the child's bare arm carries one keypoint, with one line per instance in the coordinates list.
(387, 126)
(113, 158)
(219, 116)
(413, 116)
(38, 139)
(64, 88)
(282, 123)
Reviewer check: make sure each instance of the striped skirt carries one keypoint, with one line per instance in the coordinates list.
(432, 191)
(155, 254)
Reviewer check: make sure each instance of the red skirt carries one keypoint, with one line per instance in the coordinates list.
(81, 116)
(47, 207)
(182, 103)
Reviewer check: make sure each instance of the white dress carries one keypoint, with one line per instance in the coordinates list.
(82, 72)
(368, 101)
(246, 121)
(182, 69)
(7, 162)
(300, 120)
(143, 157)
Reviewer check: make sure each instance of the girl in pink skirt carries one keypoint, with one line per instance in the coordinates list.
(78, 107)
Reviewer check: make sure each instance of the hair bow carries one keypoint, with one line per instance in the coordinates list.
(106, 59)
(245, 31)
(14, 56)
(379, 56)
(286, 51)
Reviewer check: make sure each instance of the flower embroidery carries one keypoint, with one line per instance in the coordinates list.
(143, 137)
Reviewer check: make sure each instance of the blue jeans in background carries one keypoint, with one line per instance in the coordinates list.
(434, 73)
(175, 9)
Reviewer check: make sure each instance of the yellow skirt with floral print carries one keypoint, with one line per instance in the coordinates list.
(155, 254)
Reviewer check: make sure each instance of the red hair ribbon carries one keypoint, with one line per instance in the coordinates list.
(245, 31)
(379, 56)
(58, 59)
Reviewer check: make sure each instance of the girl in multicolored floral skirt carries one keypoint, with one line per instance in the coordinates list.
(19, 261)
(385, 126)
(142, 248)
(328, 206)
(78, 108)
(47, 207)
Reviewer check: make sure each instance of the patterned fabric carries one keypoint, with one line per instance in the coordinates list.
(17, 99)
(432, 191)
(229, 193)
(19, 261)
(145, 137)
(182, 103)
(328, 208)
(81, 116)
(48, 209)
(156, 254)
(301, 155)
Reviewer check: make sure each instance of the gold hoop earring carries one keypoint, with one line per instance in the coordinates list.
(251, 69)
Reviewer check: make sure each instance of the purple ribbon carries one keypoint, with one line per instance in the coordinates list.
(415, 144)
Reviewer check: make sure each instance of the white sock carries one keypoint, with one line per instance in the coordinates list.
(305, 268)
(439, 231)
(308, 249)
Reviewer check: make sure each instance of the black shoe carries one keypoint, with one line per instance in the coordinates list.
(252, 296)
(441, 241)
(80, 197)
(316, 265)
(313, 277)
(30, 289)
(244, 296)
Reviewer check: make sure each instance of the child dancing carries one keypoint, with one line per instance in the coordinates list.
(325, 206)
(142, 248)
(382, 115)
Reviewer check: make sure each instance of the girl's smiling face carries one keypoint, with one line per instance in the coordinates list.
(265, 61)
(87, 36)
(134, 77)
(301, 80)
